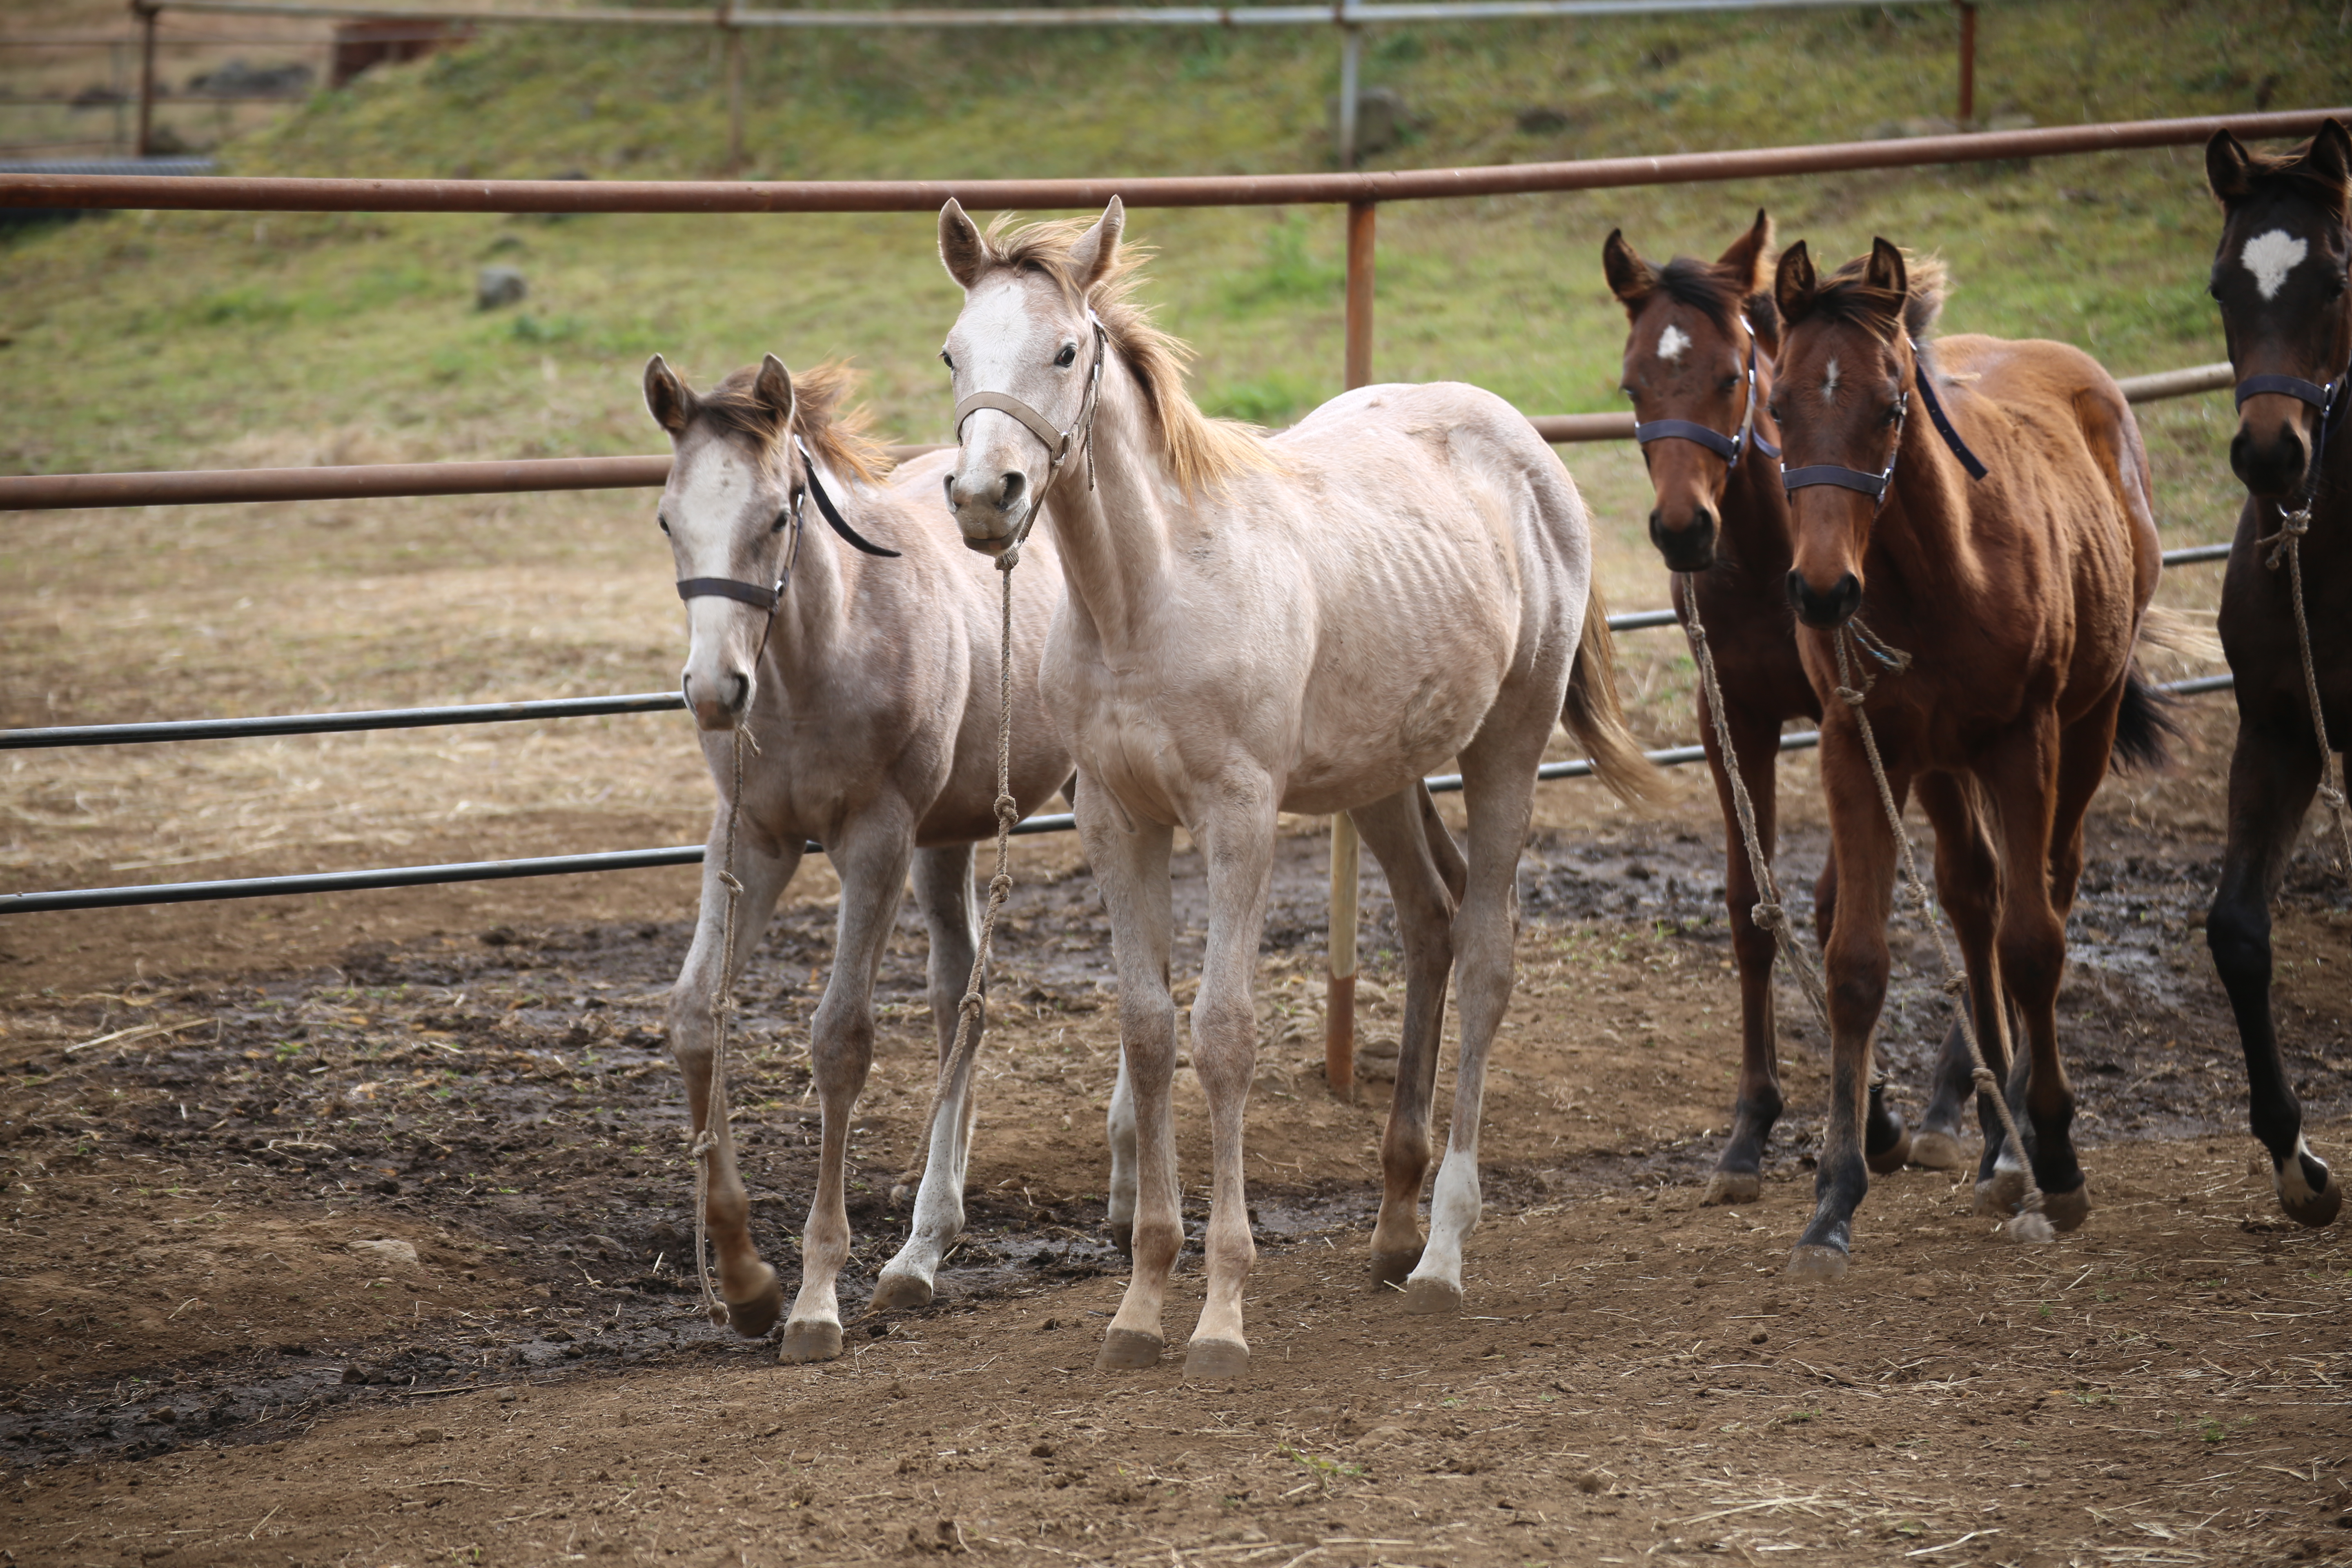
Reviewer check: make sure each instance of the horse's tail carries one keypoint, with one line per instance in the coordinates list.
(2145, 728)
(1596, 717)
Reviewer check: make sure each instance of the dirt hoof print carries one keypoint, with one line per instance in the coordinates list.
(2067, 1211)
(755, 1317)
(2000, 1195)
(1937, 1152)
(1821, 1265)
(1732, 1187)
(1125, 1350)
(1215, 1360)
(1433, 1297)
(809, 1342)
(900, 1293)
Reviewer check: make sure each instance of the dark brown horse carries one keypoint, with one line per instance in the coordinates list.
(2011, 551)
(1698, 368)
(2280, 276)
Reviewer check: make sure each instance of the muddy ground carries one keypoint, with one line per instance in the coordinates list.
(383, 1257)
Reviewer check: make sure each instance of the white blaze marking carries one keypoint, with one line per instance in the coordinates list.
(2271, 256)
(1829, 382)
(1672, 342)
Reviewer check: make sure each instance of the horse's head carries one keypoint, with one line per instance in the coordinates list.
(727, 510)
(1841, 398)
(1691, 365)
(2280, 276)
(1023, 355)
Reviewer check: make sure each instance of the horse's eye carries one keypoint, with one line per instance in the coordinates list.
(1067, 357)
(1728, 384)
(663, 521)
(1772, 406)
(782, 517)
(2337, 285)
(947, 359)
(1893, 412)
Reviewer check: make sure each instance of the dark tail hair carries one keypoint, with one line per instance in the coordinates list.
(2145, 728)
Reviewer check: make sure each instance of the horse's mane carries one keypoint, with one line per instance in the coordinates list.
(1200, 450)
(1721, 294)
(2291, 174)
(834, 429)
(1847, 295)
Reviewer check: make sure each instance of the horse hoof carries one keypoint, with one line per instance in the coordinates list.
(755, 1317)
(1822, 1265)
(809, 1340)
(1219, 1359)
(1891, 1159)
(1390, 1270)
(1127, 1350)
(2067, 1211)
(1937, 1152)
(1732, 1187)
(1433, 1296)
(2316, 1209)
(900, 1293)
(2003, 1194)
(1122, 1235)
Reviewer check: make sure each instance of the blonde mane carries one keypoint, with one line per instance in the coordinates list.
(1200, 451)
(835, 430)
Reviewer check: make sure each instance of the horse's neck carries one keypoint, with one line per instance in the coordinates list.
(1114, 539)
(1925, 535)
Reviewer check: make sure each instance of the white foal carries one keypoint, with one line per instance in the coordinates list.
(1306, 623)
(869, 686)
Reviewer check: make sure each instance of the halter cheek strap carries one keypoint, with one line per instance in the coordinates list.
(1058, 444)
(1875, 485)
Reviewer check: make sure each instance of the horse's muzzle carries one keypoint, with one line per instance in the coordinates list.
(1825, 611)
(719, 703)
(989, 514)
(1689, 548)
(2272, 467)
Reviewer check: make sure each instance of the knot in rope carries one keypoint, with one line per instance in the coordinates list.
(1008, 811)
(2292, 526)
(1769, 916)
(1984, 1077)
(701, 1146)
(1850, 696)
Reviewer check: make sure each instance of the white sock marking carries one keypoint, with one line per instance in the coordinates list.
(2271, 256)
(1672, 342)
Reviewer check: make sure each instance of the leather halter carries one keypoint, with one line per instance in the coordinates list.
(761, 598)
(1875, 485)
(1727, 448)
(1058, 444)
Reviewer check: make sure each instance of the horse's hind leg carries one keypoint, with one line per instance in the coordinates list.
(871, 857)
(1398, 835)
(747, 1285)
(1738, 1173)
(1969, 887)
(2271, 777)
(943, 892)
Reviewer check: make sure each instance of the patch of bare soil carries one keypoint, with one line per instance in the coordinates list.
(386, 1259)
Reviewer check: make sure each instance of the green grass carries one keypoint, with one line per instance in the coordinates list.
(165, 339)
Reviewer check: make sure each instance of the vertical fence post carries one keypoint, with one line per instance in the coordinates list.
(1967, 63)
(734, 37)
(1352, 56)
(146, 14)
(1346, 850)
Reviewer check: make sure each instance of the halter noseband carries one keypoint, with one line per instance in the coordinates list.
(1727, 448)
(1058, 444)
(1875, 485)
(2328, 399)
(767, 599)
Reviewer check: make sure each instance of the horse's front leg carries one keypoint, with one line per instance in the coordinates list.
(1856, 963)
(764, 866)
(2272, 778)
(1130, 866)
(1739, 1173)
(1237, 848)
(943, 891)
(1403, 841)
(871, 857)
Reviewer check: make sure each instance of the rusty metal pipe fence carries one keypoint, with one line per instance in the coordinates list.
(1359, 192)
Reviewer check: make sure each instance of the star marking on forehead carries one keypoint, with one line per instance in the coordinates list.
(1828, 382)
(2270, 257)
(1672, 342)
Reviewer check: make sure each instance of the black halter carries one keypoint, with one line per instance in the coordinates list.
(767, 599)
(1727, 448)
(1875, 485)
(2328, 399)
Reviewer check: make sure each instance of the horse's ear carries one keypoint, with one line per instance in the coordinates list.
(1631, 278)
(1094, 251)
(2226, 161)
(666, 397)
(2330, 156)
(774, 387)
(961, 247)
(1745, 259)
(1886, 271)
(1794, 283)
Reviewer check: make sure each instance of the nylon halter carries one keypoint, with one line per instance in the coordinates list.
(1875, 485)
(2328, 399)
(1727, 448)
(1058, 444)
(767, 598)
